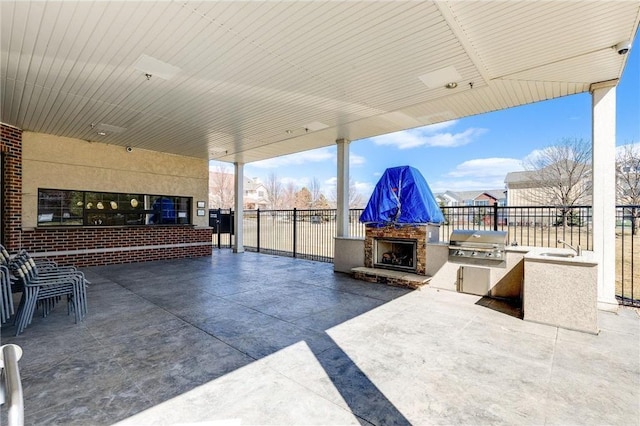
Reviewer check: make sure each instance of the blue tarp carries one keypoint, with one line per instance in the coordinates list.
(402, 195)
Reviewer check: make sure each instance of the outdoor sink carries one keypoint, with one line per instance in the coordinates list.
(558, 254)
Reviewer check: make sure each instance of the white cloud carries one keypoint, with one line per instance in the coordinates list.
(429, 136)
(297, 182)
(364, 188)
(635, 147)
(539, 154)
(477, 174)
(332, 181)
(450, 140)
(313, 156)
(356, 160)
(467, 184)
(486, 167)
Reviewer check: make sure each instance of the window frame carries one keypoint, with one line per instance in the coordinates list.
(80, 208)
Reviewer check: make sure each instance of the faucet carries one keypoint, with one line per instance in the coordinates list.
(577, 249)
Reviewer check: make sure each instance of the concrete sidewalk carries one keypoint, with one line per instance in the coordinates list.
(257, 339)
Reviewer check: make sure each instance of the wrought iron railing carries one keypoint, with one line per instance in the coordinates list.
(309, 234)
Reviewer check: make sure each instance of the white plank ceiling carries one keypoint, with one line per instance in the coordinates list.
(244, 81)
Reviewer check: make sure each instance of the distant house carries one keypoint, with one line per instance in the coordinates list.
(221, 192)
(526, 188)
(471, 198)
(521, 188)
(255, 194)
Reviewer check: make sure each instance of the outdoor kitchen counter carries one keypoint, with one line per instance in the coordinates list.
(560, 289)
(559, 255)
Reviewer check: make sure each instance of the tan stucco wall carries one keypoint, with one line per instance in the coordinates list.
(55, 162)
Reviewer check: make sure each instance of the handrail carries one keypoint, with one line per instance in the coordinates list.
(12, 385)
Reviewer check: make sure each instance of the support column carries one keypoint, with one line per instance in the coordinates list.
(238, 206)
(603, 97)
(342, 187)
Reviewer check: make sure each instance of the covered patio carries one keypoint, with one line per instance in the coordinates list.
(259, 339)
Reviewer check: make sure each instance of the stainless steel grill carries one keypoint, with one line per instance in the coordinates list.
(470, 244)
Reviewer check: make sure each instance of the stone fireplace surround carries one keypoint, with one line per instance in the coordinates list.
(421, 233)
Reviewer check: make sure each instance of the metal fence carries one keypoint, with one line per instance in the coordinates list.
(308, 234)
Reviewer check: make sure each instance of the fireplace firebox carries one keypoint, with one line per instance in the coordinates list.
(394, 253)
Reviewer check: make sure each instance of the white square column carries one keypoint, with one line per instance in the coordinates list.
(238, 203)
(603, 97)
(342, 189)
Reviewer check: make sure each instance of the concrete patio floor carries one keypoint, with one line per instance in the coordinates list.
(258, 339)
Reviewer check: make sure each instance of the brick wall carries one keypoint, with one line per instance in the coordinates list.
(11, 146)
(87, 246)
(109, 245)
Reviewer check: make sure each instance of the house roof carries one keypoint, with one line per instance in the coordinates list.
(461, 196)
(243, 81)
(518, 177)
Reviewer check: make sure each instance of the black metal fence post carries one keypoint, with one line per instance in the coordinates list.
(258, 231)
(495, 216)
(295, 230)
(218, 221)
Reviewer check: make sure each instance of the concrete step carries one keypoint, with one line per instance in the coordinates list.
(386, 276)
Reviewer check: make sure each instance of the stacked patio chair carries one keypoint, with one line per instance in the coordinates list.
(45, 284)
(6, 297)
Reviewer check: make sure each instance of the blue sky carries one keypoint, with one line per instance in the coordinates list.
(473, 153)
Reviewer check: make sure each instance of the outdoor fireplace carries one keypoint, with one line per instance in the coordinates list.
(401, 217)
(391, 253)
(399, 247)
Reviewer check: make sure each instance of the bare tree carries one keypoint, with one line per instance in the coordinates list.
(315, 191)
(275, 191)
(560, 175)
(356, 199)
(289, 195)
(221, 188)
(628, 182)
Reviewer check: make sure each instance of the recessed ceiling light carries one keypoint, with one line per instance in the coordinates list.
(102, 133)
(316, 125)
(439, 78)
(451, 85)
(110, 128)
(288, 131)
(155, 67)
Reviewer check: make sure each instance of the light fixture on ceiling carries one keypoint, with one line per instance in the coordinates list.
(315, 126)
(451, 85)
(154, 67)
(438, 78)
(623, 47)
(288, 131)
(103, 129)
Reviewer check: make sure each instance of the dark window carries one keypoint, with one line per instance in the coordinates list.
(68, 208)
